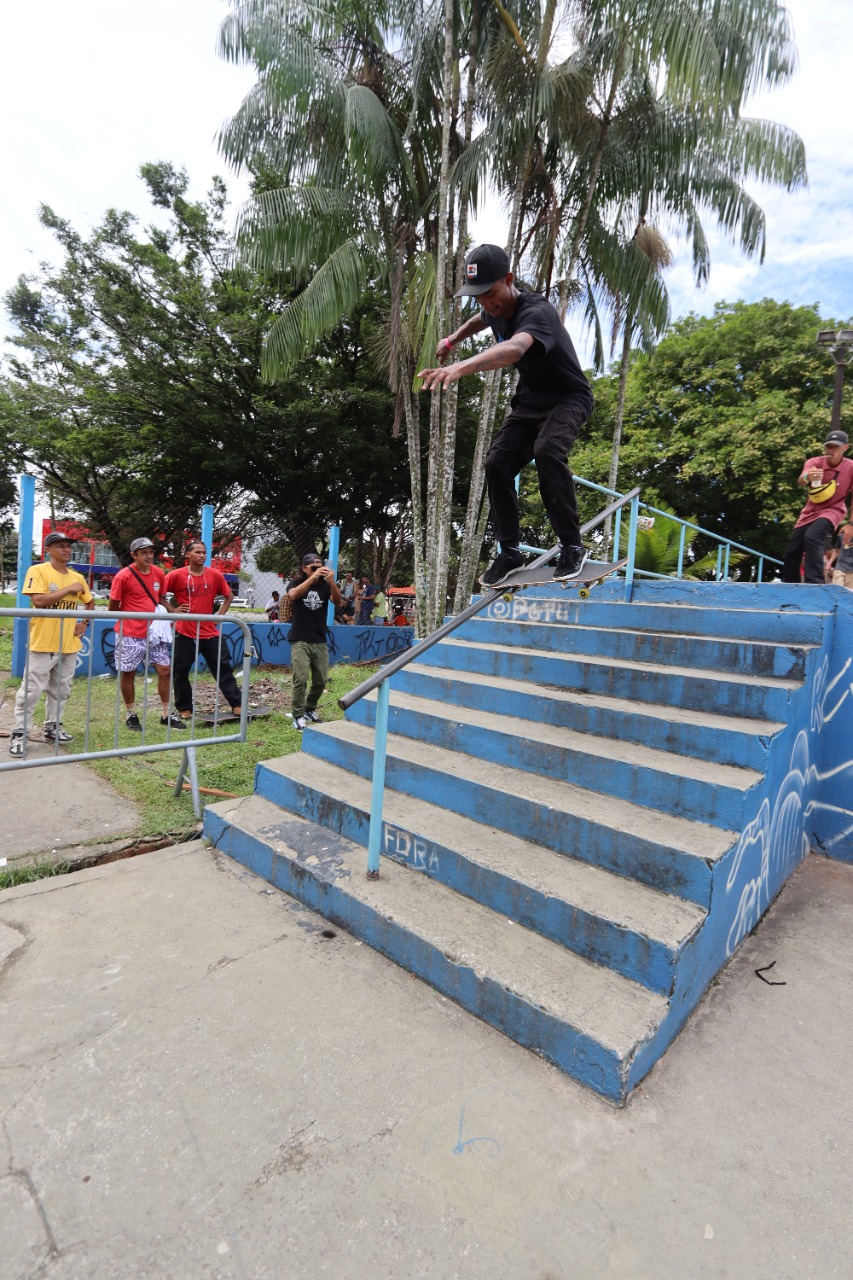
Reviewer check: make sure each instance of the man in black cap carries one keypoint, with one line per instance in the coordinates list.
(310, 593)
(552, 401)
(53, 644)
(828, 480)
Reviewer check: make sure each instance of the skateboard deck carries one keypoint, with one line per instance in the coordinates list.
(593, 571)
(221, 716)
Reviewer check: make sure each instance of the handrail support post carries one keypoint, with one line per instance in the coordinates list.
(380, 741)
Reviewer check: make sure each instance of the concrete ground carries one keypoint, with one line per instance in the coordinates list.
(198, 1081)
(48, 813)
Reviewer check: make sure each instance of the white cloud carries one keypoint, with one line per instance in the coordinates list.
(90, 91)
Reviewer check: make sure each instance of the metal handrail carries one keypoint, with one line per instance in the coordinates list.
(447, 628)
(380, 679)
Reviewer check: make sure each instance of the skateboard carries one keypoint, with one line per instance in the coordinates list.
(593, 572)
(252, 714)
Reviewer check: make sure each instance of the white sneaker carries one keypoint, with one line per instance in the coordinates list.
(299, 722)
(16, 745)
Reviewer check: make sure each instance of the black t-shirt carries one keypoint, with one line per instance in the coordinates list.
(549, 373)
(309, 612)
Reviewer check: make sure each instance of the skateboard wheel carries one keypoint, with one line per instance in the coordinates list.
(583, 592)
(507, 596)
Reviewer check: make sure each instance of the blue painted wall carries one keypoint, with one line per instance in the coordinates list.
(269, 642)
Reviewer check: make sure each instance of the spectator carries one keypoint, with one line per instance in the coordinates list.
(828, 480)
(250, 597)
(53, 644)
(842, 563)
(141, 588)
(380, 608)
(367, 594)
(310, 592)
(400, 619)
(196, 589)
(271, 607)
(347, 587)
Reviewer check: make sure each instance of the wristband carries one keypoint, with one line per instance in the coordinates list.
(448, 345)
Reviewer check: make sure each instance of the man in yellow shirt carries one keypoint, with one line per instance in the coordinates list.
(54, 644)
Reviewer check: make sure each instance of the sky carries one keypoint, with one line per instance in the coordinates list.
(92, 90)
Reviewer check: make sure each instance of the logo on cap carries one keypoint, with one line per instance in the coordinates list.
(471, 271)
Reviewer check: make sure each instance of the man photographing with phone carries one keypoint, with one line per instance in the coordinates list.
(310, 593)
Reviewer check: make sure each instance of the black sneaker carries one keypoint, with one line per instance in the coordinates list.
(314, 717)
(299, 723)
(505, 563)
(569, 563)
(174, 721)
(16, 743)
(132, 722)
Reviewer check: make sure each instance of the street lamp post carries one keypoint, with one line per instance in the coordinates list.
(839, 343)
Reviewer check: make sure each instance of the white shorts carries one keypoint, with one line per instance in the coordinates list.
(130, 653)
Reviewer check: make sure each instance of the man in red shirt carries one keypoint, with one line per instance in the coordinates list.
(195, 589)
(824, 511)
(140, 588)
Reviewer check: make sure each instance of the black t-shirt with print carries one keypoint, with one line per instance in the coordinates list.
(549, 373)
(309, 612)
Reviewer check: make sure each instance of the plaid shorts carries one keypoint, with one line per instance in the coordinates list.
(130, 653)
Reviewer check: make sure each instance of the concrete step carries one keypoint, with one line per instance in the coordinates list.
(586, 1019)
(666, 852)
(542, 605)
(629, 644)
(701, 790)
(732, 740)
(729, 694)
(634, 929)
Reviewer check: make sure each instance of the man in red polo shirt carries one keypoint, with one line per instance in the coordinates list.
(195, 589)
(140, 589)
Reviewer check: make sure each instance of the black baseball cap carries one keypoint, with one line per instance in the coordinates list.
(836, 437)
(484, 266)
(52, 539)
(311, 557)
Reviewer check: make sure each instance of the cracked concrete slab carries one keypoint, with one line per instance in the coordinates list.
(50, 810)
(197, 1081)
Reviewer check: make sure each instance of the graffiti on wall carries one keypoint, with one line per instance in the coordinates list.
(800, 808)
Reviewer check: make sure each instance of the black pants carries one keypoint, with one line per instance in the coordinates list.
(218, 663)
(546, 441)
(808, 539)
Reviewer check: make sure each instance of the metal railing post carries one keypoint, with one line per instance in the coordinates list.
(681, 550)
(632, 549)
(26, 518)
(207, 532)
(334, 551)
(760, 567)
(380, 744)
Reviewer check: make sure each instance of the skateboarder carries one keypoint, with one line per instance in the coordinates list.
(552, 401)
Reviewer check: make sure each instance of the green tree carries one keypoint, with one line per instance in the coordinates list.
(134, 388)
(719, 419)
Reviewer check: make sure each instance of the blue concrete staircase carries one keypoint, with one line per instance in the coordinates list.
(588, 805)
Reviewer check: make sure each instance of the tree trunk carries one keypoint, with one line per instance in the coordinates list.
(617, 422)
(442, 435)
(590, 191)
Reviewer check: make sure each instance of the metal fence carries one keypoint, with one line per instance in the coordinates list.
(152, 736)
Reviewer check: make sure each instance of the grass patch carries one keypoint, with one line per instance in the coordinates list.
(35, 871)
(6, 602)
(147, 780)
